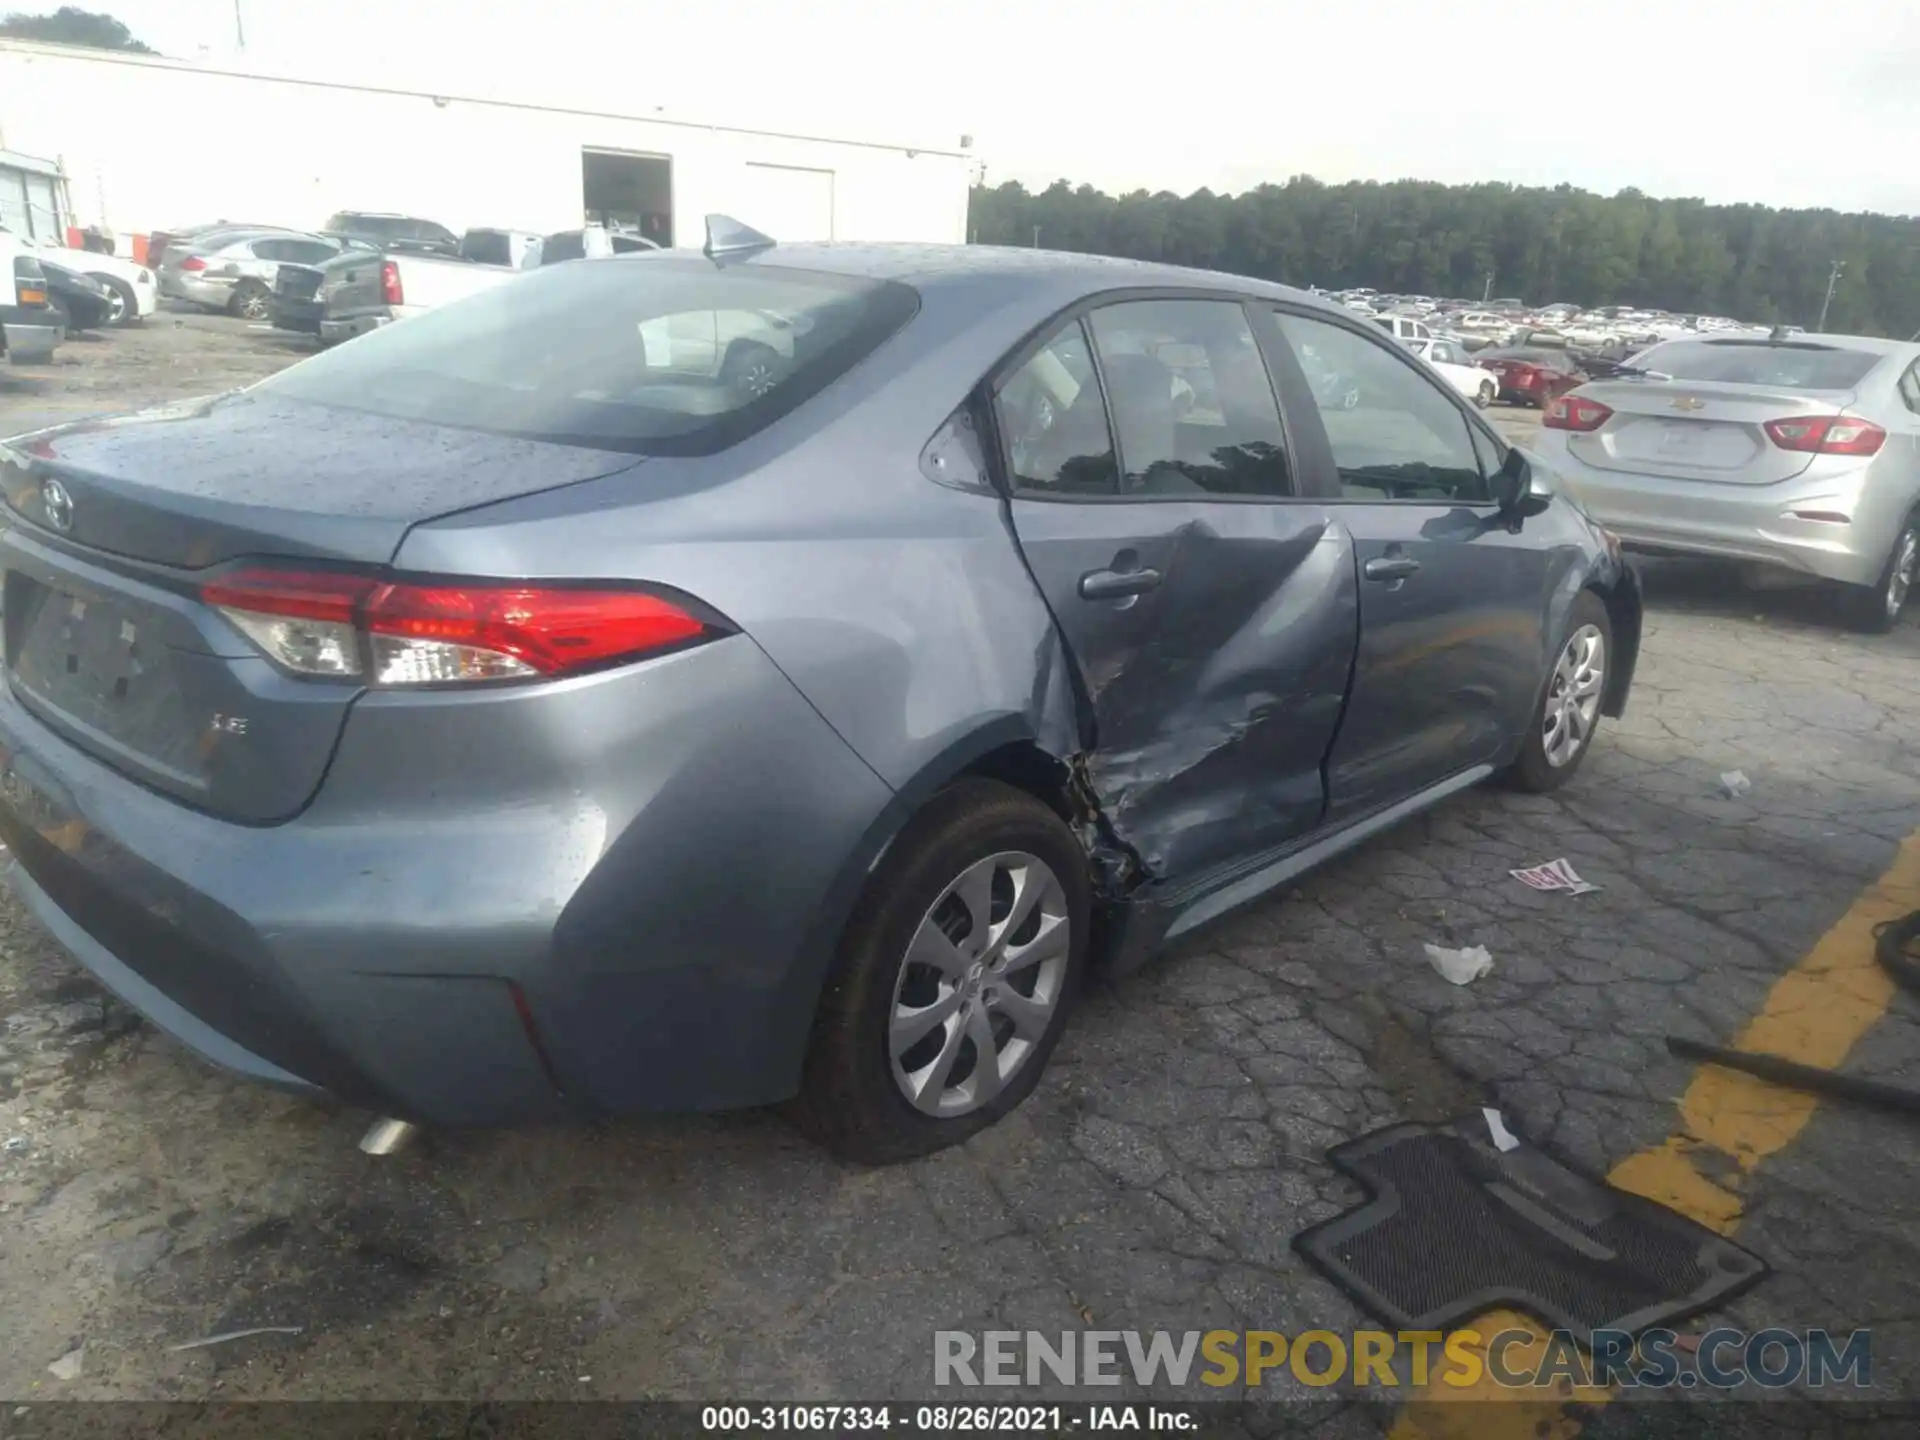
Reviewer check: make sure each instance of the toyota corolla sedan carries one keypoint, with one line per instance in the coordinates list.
(1796, 451)
(515, 714)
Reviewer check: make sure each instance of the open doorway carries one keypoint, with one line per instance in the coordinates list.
(623, 191)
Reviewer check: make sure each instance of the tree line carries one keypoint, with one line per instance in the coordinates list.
(1751, 262)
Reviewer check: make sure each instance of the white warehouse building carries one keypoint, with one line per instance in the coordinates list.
(146, 144)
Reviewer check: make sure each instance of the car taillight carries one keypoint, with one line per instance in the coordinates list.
(193, 263)
(1575, 412)
(1827, 435)
(348, 626)
(390, 291)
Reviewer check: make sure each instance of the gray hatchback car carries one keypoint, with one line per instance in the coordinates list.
(507, 715)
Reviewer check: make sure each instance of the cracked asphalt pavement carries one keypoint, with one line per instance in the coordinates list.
(1156, 1179)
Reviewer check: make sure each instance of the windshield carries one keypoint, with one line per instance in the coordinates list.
(1750, 362)
(651, 355)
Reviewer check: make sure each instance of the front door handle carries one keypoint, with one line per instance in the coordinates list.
(1117, 584)
(1390, 567)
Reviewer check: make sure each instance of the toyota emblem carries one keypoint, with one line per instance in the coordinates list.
(59, 505)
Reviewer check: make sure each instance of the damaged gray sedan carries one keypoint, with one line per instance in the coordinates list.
(671, 682)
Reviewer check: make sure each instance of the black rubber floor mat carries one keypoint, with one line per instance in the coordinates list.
(1455, 1227)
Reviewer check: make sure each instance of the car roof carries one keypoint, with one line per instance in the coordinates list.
(1010, 271)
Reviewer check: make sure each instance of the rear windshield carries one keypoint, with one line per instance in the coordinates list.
(1749, 362)
(651, 355)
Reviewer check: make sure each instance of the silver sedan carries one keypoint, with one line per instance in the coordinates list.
(1799, 451)
(235, 271)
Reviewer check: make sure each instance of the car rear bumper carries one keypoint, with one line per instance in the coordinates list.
(346, 327)
(1756, 523)
(619, 894)
(31, 344)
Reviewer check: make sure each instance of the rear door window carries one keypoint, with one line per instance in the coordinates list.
(1910, 387)
(1193, 409)
(573, 354)
(1053, 421)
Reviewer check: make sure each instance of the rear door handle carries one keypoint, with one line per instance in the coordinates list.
(1390, 567)
(1117, 584)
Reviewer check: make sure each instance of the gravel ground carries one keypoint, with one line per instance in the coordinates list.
(1156, 1178)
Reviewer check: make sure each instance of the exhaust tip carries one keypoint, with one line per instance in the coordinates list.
(387, 1137)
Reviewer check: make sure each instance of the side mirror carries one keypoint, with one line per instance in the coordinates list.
(1513, 488)
(1511, 481)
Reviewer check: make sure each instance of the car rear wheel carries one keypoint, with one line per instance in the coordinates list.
(1483, 397)
(124, 306)
(1568, 712)
(1873, 609)
(751, 369)
(954, 978)
(250, 300)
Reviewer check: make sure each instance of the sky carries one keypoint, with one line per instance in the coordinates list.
(1781, 102)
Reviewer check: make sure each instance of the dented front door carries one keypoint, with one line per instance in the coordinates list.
(1212, 616)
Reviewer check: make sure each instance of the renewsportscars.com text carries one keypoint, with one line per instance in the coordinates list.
(1723, 1359)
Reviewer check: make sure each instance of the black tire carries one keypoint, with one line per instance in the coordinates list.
(752, 368)
(1875, 609)
(251, 300)
(126, 303)
(849, 1101)
(1533, 770)
(1484, 396)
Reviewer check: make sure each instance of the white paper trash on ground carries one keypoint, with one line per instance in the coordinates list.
(1554, 875)
(1503, 1138)
(1462, 967)
(1735, 783)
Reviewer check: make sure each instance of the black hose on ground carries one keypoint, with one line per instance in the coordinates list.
(1894, 944)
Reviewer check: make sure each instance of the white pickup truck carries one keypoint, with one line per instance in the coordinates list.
(363, 292)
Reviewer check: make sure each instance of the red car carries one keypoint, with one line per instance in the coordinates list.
(1530, 375)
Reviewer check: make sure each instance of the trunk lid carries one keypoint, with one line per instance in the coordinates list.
(105, 637)
(352, 282)
(297, 282)
(1699, 430)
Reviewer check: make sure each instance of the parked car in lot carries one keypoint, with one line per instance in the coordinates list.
(1404, 327)
(29, 334)
(131, 289)
(383, 229)
(1459, 370)
(78, 302)
(1801, 452)
(528, 727)
(235, 271)
(161, 241)
(1530, 375)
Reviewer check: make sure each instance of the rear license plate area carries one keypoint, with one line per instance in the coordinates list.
(90, 660)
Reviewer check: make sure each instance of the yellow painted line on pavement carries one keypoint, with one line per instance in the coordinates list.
(1815, 1014)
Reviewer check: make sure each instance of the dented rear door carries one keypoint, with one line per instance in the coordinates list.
(1211, 613)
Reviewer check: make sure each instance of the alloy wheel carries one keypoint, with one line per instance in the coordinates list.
(1573, 696)
(1901, 574)
(980, 984)
(253, 305)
